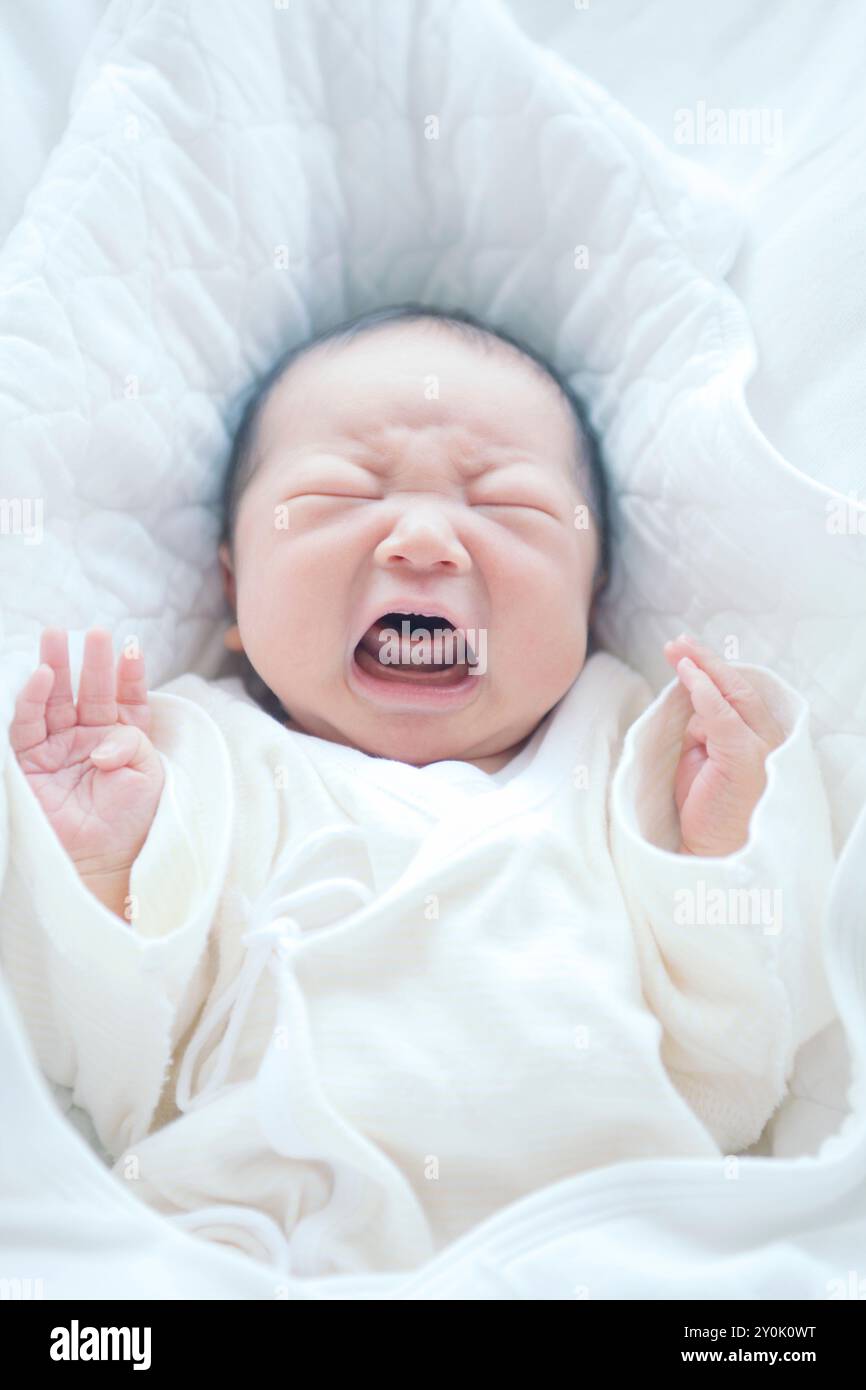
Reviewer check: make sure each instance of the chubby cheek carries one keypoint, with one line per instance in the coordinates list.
(542, 634)
(289, 618)
(542, 652)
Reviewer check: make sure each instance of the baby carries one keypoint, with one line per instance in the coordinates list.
(467, 848)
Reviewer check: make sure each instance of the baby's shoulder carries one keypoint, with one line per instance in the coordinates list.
(604, 670)
(225, 698)
(195, 687)
(610, 695)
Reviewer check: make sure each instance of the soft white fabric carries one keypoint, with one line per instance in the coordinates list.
(231, 179)
(773, 99)
(803, 192)
(41, 46)
(479, 990)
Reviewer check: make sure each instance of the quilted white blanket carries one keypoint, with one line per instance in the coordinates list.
(234, 177)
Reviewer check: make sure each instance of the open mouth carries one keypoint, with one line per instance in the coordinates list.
(416, 648)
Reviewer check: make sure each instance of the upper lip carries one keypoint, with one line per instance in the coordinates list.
(401, 603)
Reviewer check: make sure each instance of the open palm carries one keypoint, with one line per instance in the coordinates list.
(100, 799)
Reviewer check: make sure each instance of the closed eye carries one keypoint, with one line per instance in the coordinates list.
(533, 506)
(353, 496)
(517, 506)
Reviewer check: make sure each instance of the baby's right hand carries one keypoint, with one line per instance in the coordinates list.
(100, 800)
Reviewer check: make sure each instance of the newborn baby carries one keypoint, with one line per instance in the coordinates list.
(499, 887)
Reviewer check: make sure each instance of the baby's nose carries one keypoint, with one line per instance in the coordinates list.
(423, 537)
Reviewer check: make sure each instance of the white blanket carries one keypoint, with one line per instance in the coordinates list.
(232, 178)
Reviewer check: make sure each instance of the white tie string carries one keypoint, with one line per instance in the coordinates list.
(272, 926)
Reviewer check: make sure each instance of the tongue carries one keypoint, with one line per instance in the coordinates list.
(434, 660)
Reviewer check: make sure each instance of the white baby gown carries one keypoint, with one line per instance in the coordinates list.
(361, 1006)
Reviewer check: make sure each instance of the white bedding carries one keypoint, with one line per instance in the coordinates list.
(232, 178)
(802, 183)
(41, 46)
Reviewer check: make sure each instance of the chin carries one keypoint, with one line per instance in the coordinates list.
(406, 742)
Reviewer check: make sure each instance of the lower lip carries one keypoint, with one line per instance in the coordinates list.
(408, 696)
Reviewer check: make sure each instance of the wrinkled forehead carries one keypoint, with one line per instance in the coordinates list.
(399, 382)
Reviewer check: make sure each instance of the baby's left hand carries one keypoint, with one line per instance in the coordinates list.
(720, 776)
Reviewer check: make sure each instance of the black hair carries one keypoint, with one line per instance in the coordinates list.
(588, 462)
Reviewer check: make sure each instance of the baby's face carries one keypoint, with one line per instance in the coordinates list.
(413, 472)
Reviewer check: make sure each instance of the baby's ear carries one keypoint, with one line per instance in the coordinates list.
(227, 573)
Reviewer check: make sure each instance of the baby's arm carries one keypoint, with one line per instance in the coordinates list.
(730, 946)
(91, 765)
(106, 1001)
